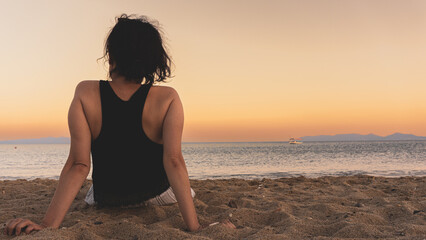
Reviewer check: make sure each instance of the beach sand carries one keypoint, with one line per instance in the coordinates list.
(345, 207)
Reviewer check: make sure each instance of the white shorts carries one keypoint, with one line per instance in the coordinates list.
(167, 197)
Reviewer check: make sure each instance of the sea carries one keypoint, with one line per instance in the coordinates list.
(247, 160)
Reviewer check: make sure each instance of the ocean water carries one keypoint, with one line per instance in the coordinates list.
(247, 160)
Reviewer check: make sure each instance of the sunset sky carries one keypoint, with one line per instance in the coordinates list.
(245, 70)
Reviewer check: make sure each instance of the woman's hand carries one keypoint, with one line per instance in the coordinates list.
(19, 225)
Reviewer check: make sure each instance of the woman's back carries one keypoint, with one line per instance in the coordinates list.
(123, 155)
(155, 108)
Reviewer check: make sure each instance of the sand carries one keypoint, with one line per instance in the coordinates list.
(348, 207)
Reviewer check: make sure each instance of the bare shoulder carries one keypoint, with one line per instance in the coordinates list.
(164, 93)
(87, 88)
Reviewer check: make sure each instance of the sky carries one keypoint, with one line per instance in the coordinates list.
(245, 70)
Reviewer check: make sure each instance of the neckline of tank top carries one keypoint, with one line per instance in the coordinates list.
(121, 100)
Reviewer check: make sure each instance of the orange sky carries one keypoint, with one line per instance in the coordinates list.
(245, 70)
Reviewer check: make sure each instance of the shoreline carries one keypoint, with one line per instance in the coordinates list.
(327, 207)
(241, 176)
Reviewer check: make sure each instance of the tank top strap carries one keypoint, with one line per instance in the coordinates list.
(138, 99)
(104, 89)
(108, 103)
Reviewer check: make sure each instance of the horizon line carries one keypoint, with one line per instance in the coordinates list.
(237, 141)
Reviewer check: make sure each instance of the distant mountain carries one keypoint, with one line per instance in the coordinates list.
(47, 140)
(359, 137)
(401, 136)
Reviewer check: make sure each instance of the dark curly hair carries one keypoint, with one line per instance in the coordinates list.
(136, 48)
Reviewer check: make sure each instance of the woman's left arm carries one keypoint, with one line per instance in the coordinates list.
(72, 176)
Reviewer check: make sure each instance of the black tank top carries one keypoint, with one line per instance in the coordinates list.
(127, 166)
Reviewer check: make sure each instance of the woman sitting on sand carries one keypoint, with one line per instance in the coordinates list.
(132, 129)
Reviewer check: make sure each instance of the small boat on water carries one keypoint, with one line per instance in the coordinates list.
(295, 141)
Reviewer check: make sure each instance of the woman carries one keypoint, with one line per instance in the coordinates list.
(132, 129)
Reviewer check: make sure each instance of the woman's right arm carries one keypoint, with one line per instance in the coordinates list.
(174, 163)
(77, 167)
(73, 174)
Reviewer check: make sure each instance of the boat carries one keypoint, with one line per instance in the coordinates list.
(295, 141)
